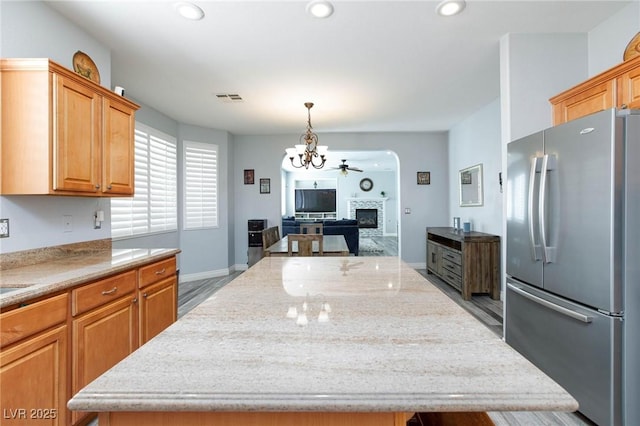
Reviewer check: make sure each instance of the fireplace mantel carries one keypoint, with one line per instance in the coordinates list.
(366, 198)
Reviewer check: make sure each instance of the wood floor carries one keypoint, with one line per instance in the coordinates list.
(485, 309)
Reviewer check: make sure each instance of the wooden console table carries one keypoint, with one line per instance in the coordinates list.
(468, 261)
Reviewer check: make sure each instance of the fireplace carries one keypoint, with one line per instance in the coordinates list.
(367, 218)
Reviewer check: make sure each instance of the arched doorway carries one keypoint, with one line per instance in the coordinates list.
(380, 189)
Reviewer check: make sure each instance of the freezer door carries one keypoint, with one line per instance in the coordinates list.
(582, 220)
(524, 257)
(579, 348)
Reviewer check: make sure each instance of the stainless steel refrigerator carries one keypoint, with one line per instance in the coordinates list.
(572, 302)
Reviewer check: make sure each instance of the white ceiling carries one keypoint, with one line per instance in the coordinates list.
(372, 66)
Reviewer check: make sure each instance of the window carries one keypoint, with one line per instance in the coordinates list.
(153, 208)
(200, 185)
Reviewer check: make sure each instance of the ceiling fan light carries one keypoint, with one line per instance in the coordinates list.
(189, 10)
(320, 9)
(344, 172)
(450, 7)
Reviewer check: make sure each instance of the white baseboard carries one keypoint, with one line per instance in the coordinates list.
(185, 278)
(418, 265)
(240, 267)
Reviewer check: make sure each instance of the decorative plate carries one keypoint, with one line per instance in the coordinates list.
(633, 48)
(83, 65)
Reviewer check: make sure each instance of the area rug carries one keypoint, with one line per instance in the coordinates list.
(367, 245)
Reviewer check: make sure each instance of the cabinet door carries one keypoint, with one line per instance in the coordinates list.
(33, 380)
(119, 147)
(434, 258)
(102, 338)
(593, 99)
(158, 308)
(630, 89)
(77, 154)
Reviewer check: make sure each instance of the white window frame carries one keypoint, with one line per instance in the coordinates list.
(154, 208)
(200, 200)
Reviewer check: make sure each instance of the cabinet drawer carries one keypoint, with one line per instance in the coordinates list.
(453, 256)
(451, 278)
(156, 271)
(451, 267)
(31, 319)
(93, 295)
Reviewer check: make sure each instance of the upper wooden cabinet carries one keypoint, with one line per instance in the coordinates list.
(617, 87)
(63, 134)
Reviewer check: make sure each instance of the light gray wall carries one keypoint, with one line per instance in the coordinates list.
(608, 40)
(476, 140)
(26, 30)
(416, 152)
(205, 252)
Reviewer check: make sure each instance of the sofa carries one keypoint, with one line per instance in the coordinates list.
(346, 227)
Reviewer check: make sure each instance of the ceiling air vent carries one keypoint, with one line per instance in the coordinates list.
(229, 97)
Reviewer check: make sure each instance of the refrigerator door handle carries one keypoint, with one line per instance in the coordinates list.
(560, 309)
(535, 252)
(548, 163)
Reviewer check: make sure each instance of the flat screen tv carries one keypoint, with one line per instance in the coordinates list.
(315, 200)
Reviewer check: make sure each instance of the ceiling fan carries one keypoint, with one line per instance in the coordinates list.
(345, 168)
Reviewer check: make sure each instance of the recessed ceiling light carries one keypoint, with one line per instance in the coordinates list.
(320, 8)
(450, 7)
(189, 11)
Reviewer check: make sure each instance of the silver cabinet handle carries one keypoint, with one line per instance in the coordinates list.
(108, 292)
(135, 300)
(161, 271)
(109, 187)
(560, 309)
(144, 295)
(97, 186)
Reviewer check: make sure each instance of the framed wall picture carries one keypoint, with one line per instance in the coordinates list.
(265, 185)
(248, 176)
(424, 178)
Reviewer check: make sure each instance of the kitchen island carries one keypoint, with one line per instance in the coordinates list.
(320, 341)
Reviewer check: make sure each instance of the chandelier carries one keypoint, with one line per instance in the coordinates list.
(309, 153)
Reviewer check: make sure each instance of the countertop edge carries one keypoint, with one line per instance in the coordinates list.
(365, 402)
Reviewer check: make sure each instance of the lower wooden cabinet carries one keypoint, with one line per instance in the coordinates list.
(158, 308)
(52, 348)
(468, 261)
(102, 338)
(34, 368)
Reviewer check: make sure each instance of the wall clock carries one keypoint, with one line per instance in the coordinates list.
(366, 184)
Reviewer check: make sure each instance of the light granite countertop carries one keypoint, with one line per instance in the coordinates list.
(390, 341)
(23, 283)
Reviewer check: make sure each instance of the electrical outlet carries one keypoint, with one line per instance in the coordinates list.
(4, 228)
(67, 223)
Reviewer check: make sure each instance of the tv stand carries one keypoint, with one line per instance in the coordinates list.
(314, 216)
